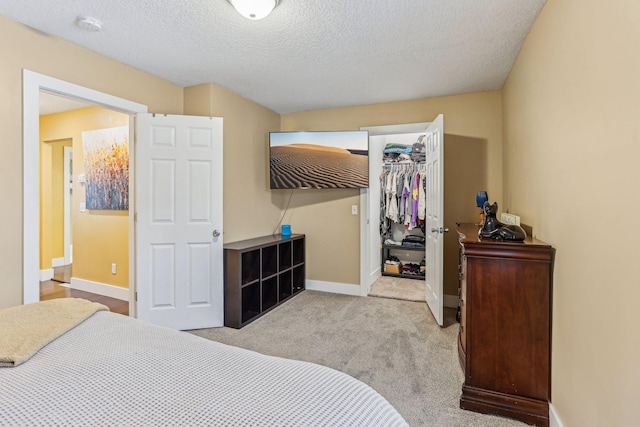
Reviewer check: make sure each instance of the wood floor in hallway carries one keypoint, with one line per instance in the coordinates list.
(52, 289)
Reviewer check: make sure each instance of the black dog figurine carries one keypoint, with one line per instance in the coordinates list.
(494, 229)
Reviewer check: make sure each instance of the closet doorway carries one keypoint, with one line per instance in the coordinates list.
(371, 254)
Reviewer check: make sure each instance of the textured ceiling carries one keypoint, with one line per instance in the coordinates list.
(308, 54)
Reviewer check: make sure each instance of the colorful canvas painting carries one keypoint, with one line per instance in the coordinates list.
(106, 168)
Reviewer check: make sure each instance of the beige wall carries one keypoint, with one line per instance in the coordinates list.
(250, 208)
(333, 233)
(25, 48)
(100, 237)
(571, 141)
(572, 144)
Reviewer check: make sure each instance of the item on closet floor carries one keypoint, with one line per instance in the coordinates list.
(393, 269)
(392, 265)
(392, 259)
(494, 229)
(411, 269)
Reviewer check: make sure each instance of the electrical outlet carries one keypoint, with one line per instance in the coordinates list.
(113, 268)
(354, 209)
(510, 219)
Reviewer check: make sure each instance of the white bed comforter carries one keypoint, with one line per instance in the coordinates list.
(115, 370)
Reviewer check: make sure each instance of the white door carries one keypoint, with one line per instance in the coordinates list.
(179, 251)
(434, 218)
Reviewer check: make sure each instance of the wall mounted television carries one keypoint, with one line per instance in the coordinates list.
(319, 159)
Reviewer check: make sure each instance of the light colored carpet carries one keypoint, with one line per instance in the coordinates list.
(398, 288)
(394, 346)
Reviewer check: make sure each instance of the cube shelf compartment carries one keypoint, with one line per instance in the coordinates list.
(260, 274)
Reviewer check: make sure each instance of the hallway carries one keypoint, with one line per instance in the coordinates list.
(58, 288)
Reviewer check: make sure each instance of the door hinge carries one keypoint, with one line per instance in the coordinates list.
(136, 296)
(135, 217)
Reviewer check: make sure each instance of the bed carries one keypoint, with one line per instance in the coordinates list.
(111, 369)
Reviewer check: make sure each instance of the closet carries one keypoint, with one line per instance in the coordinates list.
(402, 219)
(432, 137)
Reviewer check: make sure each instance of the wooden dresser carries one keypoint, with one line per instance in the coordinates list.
(505, 326)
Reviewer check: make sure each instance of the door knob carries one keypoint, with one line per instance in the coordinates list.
(440, 230)
(216, 233)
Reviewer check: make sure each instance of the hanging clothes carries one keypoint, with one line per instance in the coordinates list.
(402, 196)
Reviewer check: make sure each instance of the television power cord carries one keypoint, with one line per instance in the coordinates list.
(283, 214)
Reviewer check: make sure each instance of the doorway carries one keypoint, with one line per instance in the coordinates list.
(370, 253)
(55, 197)
(33, 84)
(98, 139)
(408, 282)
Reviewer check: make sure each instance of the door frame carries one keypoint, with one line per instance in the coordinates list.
(366, 216)
(68, 159)
(32, 84)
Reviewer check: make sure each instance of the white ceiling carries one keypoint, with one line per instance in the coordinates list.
(50, 104)
(308, 54)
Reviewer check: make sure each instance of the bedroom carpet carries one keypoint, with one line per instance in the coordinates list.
(392, 345)
(398, 288)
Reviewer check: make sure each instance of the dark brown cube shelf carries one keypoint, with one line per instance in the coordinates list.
(284, 256)
(260, 274)
(250, 267)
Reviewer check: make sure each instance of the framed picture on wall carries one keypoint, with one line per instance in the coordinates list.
(106, 165)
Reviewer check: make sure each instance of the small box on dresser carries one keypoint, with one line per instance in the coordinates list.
(504, 341)
(260, 274)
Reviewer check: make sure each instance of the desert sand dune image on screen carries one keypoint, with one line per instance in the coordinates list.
(317, 166)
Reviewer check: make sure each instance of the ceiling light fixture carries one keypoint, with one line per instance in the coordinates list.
(254, 9)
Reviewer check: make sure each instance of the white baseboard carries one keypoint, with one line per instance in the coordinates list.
(57, 262)
(450, 301)
(373, 276)
(335, 288)
(46, 274)
(100, 289)
(554, 419)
